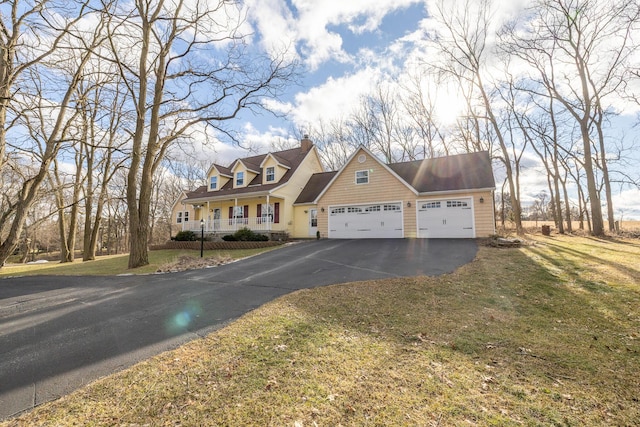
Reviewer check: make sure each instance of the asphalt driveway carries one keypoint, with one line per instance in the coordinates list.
(60, 333)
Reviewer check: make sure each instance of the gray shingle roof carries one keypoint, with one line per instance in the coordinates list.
(291, 158)
(457, 172)
(315, 185)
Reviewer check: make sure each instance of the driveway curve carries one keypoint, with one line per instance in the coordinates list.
(60, 333)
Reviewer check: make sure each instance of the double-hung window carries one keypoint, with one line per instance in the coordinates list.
(213, 183)
(362, 177)
(239, 179)
(271, 174)
(179, 217)
(186, 216)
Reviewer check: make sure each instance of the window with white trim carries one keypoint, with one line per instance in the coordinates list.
(337, 211)
(239, 179)
(375, 208)
(213, 183)
(238, 211)
(271, 174)
(391, 207)
(456, 204)
(362, 177)
(179, 217)
(352, 209)
(186, 216)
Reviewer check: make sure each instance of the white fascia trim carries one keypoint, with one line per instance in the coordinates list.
(279, 163)
(377, 202)
(217, 170)
(180, 199)
(245, 167)
(468, 190)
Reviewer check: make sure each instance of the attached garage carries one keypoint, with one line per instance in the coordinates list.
(370, 221)
(447, 218)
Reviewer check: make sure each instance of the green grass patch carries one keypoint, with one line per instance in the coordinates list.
(517, 337)
(117, 264)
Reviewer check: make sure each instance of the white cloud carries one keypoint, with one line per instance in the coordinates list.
(626, 204)
(310, 29)
(334, 99)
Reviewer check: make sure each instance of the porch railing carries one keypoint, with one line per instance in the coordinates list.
(231, 224)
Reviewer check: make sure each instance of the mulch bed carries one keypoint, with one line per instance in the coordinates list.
(216, 245)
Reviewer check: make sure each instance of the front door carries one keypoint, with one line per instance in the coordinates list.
(216, 218)
(313, 222)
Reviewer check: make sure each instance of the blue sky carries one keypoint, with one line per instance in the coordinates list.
(346, 47)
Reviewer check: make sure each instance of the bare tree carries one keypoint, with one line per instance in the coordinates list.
(104, 151)
(419, 102)
(73, 52)
(186, 66)
(463, 44)
(334, 141)
(580, 48)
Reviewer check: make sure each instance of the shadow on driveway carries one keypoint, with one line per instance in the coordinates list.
(59, 333)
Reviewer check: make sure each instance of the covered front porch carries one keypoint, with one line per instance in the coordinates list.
(262, 213)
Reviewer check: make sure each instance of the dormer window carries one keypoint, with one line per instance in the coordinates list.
(271, 174)
(239, 179)
(213, 183)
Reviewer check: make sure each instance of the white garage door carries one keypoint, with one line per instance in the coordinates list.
(377, 220)
(450, 218)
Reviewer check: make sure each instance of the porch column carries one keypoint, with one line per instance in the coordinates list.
(268, 217)
(184, 206)
(207, 221)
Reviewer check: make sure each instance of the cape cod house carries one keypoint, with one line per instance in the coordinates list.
(288, 191)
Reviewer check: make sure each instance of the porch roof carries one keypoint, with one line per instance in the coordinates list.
(207, 197)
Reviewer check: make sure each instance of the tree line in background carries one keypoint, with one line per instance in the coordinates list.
(98, 97)
(549, 86)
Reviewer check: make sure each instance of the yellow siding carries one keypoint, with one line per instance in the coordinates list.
(382, 187)
(484, 214)
(301, 223)
(179, 207)
(290, 192)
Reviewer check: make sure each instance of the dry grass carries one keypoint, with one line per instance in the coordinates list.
(543, 335)
(117, 264)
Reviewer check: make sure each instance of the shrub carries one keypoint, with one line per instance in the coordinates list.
(186, 236)
(247, 235)
(229, 238)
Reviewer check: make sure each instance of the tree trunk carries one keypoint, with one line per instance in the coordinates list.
(597, 225)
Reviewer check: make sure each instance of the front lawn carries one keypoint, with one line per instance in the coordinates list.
(543, 335)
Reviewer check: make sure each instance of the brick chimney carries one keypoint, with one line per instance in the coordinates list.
(306, 143)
